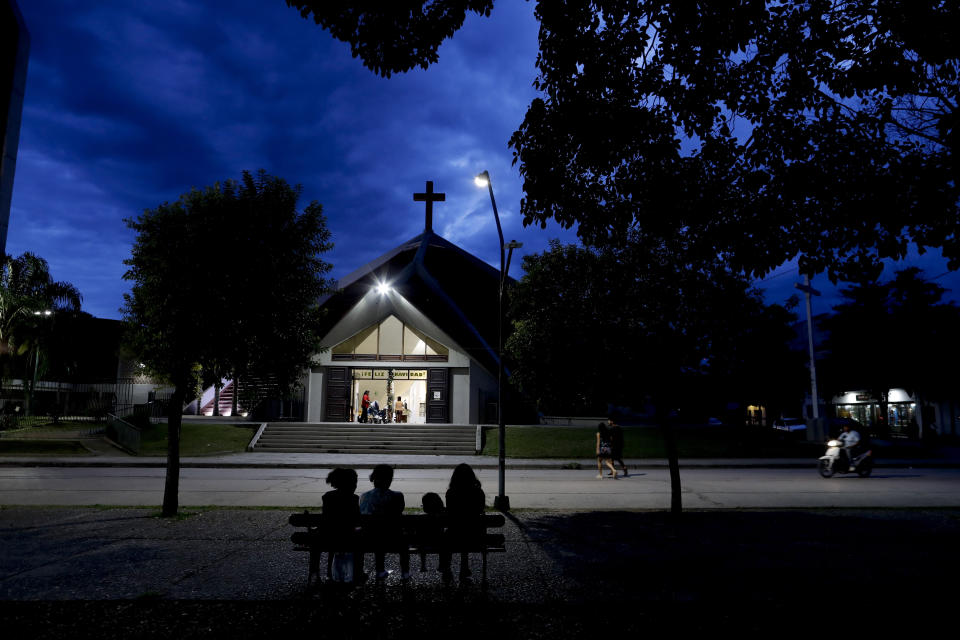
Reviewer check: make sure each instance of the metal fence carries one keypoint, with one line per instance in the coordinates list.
(59, 402)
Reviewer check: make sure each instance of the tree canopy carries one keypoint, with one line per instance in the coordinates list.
(27, 288)
(766, 129)
(392, 36)
(633, 323)
(227, 279)
(893, 334)
(30, 302)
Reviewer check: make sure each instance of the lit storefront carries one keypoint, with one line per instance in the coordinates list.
(893, 414)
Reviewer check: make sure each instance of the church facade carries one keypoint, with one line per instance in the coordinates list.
(418, 324)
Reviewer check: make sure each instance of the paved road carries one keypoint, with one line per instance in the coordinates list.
(536, 489)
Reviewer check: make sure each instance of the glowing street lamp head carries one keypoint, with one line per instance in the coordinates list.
(383, 288)
(482, 179)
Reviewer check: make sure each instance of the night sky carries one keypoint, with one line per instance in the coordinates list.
(130, 104)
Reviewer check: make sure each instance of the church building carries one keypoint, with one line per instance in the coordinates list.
(419, 323)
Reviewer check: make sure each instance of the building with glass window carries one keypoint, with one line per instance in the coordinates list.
(14, 51)
(419, 324)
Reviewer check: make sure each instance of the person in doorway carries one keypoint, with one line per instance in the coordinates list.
(616, 443)
(604, 451)
(465, 501)
(381, 501)
(364, 406)
(398, 410)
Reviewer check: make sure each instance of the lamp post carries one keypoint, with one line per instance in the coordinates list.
(807, 292)
(502, 501)
(46, 313)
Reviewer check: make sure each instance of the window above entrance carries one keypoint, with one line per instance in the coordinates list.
(391, 340)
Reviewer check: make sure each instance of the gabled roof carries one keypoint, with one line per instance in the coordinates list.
(456, 290)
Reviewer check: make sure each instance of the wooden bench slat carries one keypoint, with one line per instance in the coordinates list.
(410, 533)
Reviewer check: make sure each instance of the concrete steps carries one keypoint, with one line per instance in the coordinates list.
(297, 437)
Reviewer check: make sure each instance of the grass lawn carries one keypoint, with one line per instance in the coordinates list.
(44, 427)
(647, 442)
(42, 448)
(199, 439)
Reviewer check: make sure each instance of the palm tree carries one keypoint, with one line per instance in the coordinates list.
(29, 300)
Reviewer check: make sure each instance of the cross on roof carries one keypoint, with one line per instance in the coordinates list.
(429, 197)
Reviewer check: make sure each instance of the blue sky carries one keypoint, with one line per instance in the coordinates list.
(130, 104)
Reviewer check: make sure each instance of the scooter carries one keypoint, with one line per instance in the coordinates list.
(836, 461)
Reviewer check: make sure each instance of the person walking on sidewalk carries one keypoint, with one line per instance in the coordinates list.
(604, 451)
(616, 443)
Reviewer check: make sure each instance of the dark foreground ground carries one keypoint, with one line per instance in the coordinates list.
(123, 573)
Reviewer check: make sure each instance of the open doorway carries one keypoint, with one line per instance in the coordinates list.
(385, 386)
(413, 394)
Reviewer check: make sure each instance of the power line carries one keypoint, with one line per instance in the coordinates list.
(777, 275)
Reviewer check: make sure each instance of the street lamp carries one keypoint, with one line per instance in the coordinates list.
(501, 502)
(46, 313)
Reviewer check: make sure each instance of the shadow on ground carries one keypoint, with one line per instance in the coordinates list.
(75, 573)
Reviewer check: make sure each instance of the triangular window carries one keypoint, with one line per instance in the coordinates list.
(391, 339)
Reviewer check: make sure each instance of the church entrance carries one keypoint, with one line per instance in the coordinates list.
(385, 386)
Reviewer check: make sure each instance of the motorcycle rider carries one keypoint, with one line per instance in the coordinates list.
(850, 438)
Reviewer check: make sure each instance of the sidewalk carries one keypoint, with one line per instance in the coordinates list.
(945, 458)
(125, 573)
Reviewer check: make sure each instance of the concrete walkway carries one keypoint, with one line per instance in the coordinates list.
(945, 458)
(215, 573)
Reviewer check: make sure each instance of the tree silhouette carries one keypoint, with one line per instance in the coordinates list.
(226, 279)
(633, 322)
(822, 130)
(762, 130)
(894, 334)
(29, 301)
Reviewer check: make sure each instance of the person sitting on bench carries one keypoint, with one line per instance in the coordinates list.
(432, 533)
(343, 505)
(465, 501)
(381, 501)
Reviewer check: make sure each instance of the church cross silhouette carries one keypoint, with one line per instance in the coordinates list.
(429, 197)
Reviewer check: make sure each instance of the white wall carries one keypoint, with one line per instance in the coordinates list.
(482, 383)
(313, 396)
(460, 409)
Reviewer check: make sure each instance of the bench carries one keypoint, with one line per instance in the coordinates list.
(413, 533)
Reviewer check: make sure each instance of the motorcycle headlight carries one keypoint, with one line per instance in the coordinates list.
(834, 443)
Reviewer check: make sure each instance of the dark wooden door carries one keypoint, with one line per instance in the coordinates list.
(438, 395)
(337, 399)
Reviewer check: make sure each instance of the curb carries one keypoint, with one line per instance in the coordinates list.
(553, 465)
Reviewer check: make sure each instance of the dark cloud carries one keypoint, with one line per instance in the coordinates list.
(130, 104)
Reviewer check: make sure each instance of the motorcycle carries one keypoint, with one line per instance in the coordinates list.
(836, 461)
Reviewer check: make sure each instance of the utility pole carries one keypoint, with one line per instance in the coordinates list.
(807, 291)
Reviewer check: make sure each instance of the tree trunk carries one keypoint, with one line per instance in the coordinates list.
(234, 405)
(171, 488)
(673, 459)
(216, 399)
